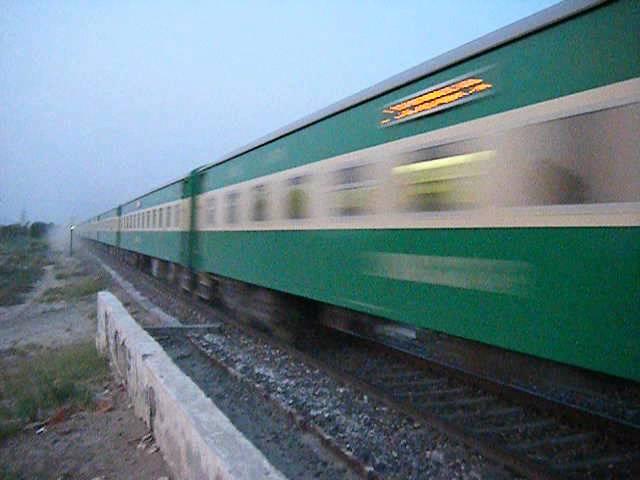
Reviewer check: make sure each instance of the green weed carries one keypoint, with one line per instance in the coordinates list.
(69, 271)
(47, 380)
(77, 289)
(6, 474)
(21, 265)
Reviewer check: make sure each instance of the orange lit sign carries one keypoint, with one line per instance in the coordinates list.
(435, 100)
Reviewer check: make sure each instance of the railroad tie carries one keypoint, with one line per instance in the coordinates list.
(538, 424)
(553, 441)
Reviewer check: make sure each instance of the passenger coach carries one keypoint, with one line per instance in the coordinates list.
(492, 193)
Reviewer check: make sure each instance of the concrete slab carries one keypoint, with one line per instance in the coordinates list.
(196, 439)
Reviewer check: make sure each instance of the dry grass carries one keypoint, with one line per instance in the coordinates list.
(6, 474)
(76, 289)
(67, 268)
(21, 265)
(32, 387)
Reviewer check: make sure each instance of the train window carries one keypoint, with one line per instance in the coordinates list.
(154, 218)
(232, 207)
(446, 177)
(169, 217)
(353, 189)
(160, 217)
(297, 198)
(259, 207)
(148, 220)
(210, 209)
(176, 218)
(588, 158)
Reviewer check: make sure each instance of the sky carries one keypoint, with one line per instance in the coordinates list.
(103, 101)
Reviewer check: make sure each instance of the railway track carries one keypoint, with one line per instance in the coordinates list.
(535, 437)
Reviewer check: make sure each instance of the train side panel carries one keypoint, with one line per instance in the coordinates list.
(107, 232)
(144, 234)
(568, 294)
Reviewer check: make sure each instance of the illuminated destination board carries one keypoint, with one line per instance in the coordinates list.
(435, 99)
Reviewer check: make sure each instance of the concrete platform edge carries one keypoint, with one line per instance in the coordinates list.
(196, 439)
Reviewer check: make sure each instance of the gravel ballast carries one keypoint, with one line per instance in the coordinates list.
(389, 443)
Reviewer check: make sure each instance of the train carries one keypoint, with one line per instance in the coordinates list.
(491, 194)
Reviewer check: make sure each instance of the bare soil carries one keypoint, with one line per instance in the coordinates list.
(103, 440)
(107, 443)
(50, 325)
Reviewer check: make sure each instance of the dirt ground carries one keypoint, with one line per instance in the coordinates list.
(50, 325)
(102, 440)
(88, 445)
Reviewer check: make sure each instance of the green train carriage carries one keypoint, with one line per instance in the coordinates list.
(492, 193)
(158, 233)
(103, 228)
